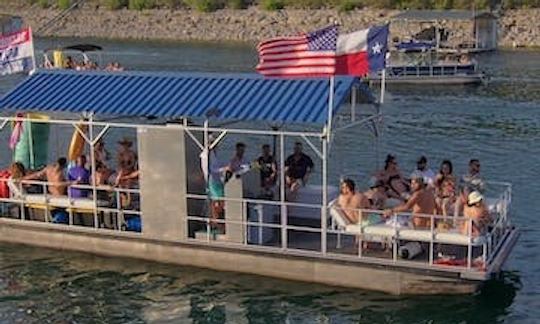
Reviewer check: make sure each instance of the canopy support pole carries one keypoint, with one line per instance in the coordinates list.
(91, 142)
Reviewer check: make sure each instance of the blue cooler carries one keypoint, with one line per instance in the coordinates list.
(133, 224)
(60, 216)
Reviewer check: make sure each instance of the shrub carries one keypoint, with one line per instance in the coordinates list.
(237, 4)
(307, 4)
(348, 5)
(172, 4)
(203, 5)
(140, 4)
(64, 4)
(272, 5)
(44, 3)
(115, 4)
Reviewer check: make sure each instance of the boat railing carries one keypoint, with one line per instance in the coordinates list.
(468, 250)
(380, 242)
(119, 204)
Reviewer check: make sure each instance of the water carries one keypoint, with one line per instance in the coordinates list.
(497, 124)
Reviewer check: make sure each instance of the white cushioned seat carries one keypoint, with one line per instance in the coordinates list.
(458, 239)
(415, 235)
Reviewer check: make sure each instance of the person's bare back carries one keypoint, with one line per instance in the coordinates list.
(55, 175)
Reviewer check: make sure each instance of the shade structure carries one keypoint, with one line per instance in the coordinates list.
(249, 97)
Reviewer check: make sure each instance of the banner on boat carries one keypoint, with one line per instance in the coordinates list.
(17, 52)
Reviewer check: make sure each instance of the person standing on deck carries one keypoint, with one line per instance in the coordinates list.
(54, 175)
(422, 201)
(268, 170)
(298, 167)
(238, 162)
(79, 175)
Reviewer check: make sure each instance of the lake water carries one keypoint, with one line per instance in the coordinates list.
(498, 123)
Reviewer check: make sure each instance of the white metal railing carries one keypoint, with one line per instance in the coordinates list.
(487, 242)
(25, 201)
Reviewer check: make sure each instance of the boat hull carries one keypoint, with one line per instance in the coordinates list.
(435, 80)
(314, 269)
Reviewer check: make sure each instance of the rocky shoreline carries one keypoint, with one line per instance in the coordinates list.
(517, 28)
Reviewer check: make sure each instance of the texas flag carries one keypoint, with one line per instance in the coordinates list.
(362, 52)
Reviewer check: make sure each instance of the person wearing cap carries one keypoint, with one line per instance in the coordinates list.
(423, 170)
(422, 201)
(472, 181)
(476, 210)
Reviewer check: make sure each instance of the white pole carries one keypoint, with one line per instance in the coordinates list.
(34, 66)
(93, 168)
(282, 192)
(330, 107)
(324, 210)
(31, 145)
(383, 85)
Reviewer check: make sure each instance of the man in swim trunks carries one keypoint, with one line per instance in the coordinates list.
(422, 201)
(54, 175)
(298, 167)
(350, 201)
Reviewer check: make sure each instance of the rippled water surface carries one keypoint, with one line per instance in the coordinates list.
(498, 123)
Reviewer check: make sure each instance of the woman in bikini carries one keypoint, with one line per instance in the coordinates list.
(445, 188)
(396, 186)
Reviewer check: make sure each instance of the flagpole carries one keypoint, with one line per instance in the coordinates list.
(383, 84)
(34, 66)
(330, 107)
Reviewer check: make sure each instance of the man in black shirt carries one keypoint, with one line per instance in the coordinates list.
(268, 170)
(298, 167)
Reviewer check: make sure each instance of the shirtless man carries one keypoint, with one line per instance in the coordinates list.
(127, 165)
(422, 201)
(349, 201)
(477, 210)
(54, 174)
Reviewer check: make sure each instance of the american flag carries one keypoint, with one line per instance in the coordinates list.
(312, 54)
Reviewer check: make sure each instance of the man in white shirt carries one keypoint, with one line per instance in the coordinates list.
(423, 170)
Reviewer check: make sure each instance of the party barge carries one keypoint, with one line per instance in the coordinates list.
(157, 170)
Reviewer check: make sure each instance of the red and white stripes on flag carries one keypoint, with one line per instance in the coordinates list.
(312, 54)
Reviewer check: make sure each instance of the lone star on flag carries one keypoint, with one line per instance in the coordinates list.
(377, 48)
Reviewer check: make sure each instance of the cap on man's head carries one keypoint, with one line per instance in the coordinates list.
(417, 176)
(474, 197)
(422, 159)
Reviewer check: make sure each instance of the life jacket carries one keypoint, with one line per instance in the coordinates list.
(4, 188)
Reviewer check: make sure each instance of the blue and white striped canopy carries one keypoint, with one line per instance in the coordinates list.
(174, 95)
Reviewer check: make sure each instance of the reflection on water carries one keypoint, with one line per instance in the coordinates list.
(38, 285)
(497, 123)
